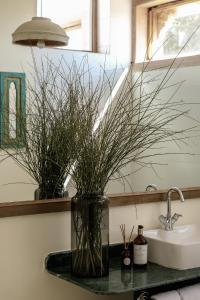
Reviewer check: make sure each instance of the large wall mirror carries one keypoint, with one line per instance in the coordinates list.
(178, 164)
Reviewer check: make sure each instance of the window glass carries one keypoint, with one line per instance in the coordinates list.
(174, 29)
(12, 111)
(74, 16)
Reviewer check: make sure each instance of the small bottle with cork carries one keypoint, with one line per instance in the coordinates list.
(140, 249)
(126, 255)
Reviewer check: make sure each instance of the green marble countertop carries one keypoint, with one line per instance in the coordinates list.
(118, 281)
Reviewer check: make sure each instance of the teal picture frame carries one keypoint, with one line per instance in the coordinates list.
(16, 82)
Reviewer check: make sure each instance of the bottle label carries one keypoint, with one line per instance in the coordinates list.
(140, 254)
(126, 261)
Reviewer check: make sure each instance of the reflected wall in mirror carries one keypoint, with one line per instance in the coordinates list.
(179, 162)
(12, 112)
(47, 130)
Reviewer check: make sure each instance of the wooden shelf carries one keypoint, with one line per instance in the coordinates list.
(21, 208)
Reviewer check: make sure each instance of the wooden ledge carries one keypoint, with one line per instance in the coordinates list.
(149, 197)
(32, 207)
(21, 208)
(180, 62)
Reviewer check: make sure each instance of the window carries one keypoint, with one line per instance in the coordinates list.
(77, 17)
(166, 30)
(171, 26)
(12, 108)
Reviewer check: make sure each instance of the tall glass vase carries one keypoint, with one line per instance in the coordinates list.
(90, 235)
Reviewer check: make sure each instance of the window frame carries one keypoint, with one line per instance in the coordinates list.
(6, 79)
(93, 29)
(152, 26)
(141, 37)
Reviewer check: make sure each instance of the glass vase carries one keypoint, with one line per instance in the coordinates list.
(90, 235)
(41, 194)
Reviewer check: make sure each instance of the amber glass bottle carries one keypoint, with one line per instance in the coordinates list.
(140, 248)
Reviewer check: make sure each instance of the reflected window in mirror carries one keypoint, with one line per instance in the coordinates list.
(173, 27)
(12, 108)
(75, 17)
(12, 111)
(86, 22)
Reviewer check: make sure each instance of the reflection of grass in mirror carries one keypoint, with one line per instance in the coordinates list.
(135, 126)
(47, 130)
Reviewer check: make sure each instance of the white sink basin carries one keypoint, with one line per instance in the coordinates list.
(177, 249)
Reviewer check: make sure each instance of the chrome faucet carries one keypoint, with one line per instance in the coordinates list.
(169, 220)
(151, 187)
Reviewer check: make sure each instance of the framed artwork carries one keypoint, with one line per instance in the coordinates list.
(12, 108)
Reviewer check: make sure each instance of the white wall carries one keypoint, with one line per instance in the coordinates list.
(176, 169)
(12, 58)
(180, 164)
(25, 242)
(120, 28)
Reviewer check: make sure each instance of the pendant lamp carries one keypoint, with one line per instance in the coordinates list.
(40, 32)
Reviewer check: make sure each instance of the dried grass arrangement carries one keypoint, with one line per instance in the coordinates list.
(131, 128)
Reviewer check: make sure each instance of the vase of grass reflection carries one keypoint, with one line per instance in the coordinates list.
(50, 189)
(51, 183)
(90, 235)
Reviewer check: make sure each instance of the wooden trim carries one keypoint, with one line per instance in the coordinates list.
(22, 208)
(94, 25)
(160, 7)
(133, 31)
(72, 25)
(152, 3)
(150, 197)
(186, 61)
(142, 35)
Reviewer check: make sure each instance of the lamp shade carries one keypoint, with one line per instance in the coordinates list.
(40, 31)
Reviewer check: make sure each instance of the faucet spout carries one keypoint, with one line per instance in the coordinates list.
(178, 191)
(169, 220)
(151, 187)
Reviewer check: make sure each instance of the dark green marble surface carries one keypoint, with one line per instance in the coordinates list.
(118, 281)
